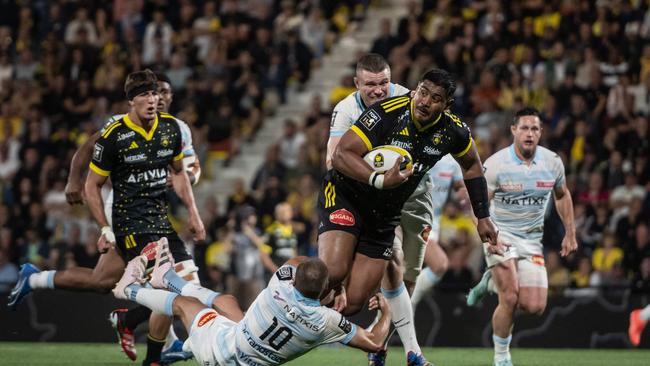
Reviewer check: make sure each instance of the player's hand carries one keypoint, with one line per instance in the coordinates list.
(569, 245)
(196, 227)
(340, 299)
(74, 191)
(379, 302)
(394, 176)
(500, 249)
(106, 240)
(488, 233)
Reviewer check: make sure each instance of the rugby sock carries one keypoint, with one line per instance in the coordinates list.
(492, 287)
(501, 347)
(645, 313)
(159, 301)
(402, 314)
(136, 316)
(423, 284)
(180, 286)
(171, 338)
(374, 321)
(43, 279)
(154, 348)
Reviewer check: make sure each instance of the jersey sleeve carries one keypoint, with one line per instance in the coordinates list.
(186, 137)
(462, 137)
(558, 166)
(178, 144)
(104, 155)
(284, 275)
(342, 120)
(110, 121)
(490, 172)
(338, 328)
(371, 126)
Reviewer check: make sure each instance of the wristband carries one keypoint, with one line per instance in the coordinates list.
(376, 180)
(108, 234)
(478, 196)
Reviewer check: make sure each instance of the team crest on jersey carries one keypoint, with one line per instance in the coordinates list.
(164, 140)
(436, 139)
(379, 160)
(98, 152)
(284, 273)
(370, 119)
(206, 318)
(342, 217)
(345, 325)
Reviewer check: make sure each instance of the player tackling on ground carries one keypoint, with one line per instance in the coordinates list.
(521, 179)
(285, 321)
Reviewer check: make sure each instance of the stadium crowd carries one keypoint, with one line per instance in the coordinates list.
(584, 64)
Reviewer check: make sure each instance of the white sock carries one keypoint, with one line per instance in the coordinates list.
(171, 338)
(423, 284)
(492, 287)
(501, 347)
(180, 286)
(402, 314)
(645, 313)
(159, 301)
(374, 321)
(43, 279)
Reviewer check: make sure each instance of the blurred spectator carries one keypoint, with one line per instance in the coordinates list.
(290, 144)
(558, 276)
(80, 23)
(8, 272)
(239, 197)
(386, 41)
(607, 256)
(641, 280)
(246, 265)
(582, 277)
(157, 41)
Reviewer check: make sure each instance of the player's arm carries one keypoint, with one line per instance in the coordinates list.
(94, 183)
(564, 205)
(262, 247)
(183, 189)
(373, 341)
(80, 160)
(341, 122)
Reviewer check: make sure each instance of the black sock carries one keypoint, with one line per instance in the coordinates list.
(136, 316)
(154, 348)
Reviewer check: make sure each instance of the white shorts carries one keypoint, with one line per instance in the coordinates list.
(416, 220)
(531, 271)
(210, 340)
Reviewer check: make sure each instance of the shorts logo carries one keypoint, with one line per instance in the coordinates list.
(424, 234)
(207, 317)
(379, 160)
(545, 184)
(388, 253)
(342, 217)
(98, 152)
(538, 260)
(370, 119)
(345, 325)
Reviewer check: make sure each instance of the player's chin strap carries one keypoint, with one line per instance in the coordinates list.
(478, 195)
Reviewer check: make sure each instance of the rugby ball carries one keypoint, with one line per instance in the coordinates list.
(382, 158)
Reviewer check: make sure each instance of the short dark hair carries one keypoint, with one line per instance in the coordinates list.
(138, 82)
(161, 76)
(442, 79)
(526, 111)
(311, 278)
(372, 62)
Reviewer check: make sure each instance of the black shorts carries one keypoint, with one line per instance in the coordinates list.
(340, 209)
(131, 246)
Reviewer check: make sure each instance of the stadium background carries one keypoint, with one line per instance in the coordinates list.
(256, 81)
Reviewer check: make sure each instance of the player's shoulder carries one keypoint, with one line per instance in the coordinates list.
(347, 104)
(499, 158)
(453, 120)
(392, 104)
(547, 154)
(113, 126)
(399, 90)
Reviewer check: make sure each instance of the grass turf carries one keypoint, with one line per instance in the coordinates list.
(109, 354)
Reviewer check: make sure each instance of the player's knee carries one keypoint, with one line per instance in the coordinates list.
(337, 274)
(533, 307)
(509, 297)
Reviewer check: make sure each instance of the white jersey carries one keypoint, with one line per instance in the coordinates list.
(443, 175)
(280, 325)
(522, 192)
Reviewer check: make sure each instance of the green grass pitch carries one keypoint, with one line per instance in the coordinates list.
(108, 354)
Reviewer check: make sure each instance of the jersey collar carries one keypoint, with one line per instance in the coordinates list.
(417, 124)
(516, 159)
(147, 135)
(304, 299)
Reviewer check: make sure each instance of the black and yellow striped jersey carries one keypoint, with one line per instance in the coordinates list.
(281, 241)
(136, 161)
(390, 122)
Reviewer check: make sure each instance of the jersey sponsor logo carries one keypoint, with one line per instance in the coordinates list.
(294, 315)
(135, 158)
(525, 201)
(98, 152)
(511, 187)
(148, 175)
(342, 217)
(538, 260)
(124, 136)
(207, 317)
(545, 184)
(424, 234)
(370, 119)
(445, 174)
(379, 160)
(403, 145)
(345, 325)
(284, 273)
(165, 152)
(432, 150)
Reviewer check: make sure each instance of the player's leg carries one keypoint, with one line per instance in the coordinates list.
(638, 320)
(364, 280)
(533, 284)
(505, 277)
(336, 249)
(436, 262)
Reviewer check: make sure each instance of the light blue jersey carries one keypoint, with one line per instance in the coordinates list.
(522, 192)
(281, 325)
(443, 175)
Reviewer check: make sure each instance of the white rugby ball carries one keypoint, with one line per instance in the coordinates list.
(382, 158)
